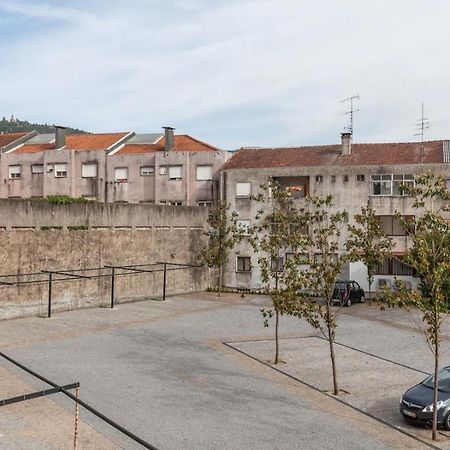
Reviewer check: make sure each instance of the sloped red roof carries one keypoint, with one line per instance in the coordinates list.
(7, 138)
(182, 143)
(92, 141)
(328, 155)
(34, 148)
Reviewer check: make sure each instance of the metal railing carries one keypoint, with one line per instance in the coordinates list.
(112, 272)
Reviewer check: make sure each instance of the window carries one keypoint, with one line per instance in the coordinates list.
(147, 171)
(389, 184)
(333, 178)
(392, 226)
(61, 170)
(175, 172)
(121, 174)
(175, 203)
(302, 258)
(243, 190)
(243, 226)
(89, 170)
(277, 264)
(163, 170)
(393, 266)
(203, 173)
(50, 168)
(37, 168)
(243, 264)
(14, 172)
(360, 177)
(205, 203)
(345, 178)
(319, 178)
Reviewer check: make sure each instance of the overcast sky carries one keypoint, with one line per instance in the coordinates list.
(231, 72)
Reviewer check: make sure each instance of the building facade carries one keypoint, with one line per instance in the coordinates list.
(355, 174)
(160, 168)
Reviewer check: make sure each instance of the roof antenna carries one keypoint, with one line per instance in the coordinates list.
(422, 124)
(351, 111)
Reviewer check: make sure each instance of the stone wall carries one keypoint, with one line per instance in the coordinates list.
(38, 236)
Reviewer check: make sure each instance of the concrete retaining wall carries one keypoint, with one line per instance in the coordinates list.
(37, 236)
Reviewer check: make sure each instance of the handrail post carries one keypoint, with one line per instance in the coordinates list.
(49, 310)
(113, 282)
(164, 282)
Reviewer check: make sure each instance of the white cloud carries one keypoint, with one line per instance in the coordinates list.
(287, 64)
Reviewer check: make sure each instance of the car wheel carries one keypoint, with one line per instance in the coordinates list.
(446, 422)
(348, 303)
(362, 299)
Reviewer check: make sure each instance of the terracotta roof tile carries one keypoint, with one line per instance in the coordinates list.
(182, 143)
(34, 148)
(7, 138)
(92, 141)
(327, 155)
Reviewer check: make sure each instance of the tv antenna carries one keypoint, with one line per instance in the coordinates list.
(422, 124)
(351, 111)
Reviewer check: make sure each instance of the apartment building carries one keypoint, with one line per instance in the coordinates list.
(354, 174)
(161, 168)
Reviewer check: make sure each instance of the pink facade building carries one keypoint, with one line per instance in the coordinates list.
(160, 168)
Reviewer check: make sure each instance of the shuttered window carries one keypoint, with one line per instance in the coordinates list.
(89, 170)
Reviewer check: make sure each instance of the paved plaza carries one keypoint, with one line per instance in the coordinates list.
(162, 370)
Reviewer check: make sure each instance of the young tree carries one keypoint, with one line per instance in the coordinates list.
(223, 234)
(278, 238)
(429, 256)
(368, 243)
(324, 235)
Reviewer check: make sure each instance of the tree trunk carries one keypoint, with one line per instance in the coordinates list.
(333, 360)
(436, 384)
(276, 336)
(370, 293)
(276, 321)
(219, 281)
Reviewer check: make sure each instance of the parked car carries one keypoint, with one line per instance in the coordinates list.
(347, 292)
(416, 404)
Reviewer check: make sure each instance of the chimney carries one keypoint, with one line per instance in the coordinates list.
(346, 140)
(60, 136)
(168, 134)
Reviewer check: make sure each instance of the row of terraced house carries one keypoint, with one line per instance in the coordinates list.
(160, 168)
(166, 168)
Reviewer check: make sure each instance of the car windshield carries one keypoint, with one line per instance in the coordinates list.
(443, 380)
(339, 286)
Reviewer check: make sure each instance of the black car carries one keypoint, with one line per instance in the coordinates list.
(416, 404)
(347, 292)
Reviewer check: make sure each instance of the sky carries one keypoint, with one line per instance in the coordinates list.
(234, 73)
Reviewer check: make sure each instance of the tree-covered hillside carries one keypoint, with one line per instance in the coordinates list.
(14, 125)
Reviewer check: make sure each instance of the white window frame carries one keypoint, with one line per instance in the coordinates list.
(89, 170)
(34, 169)
(237, 264)
(60, 170)
(319, 178)
(392, 183)
(175, 172)
(14, 171)
(244, 225)
(120, 179)
(204, 172)
(243, 189)
(147, 171)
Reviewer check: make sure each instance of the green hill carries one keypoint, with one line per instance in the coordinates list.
(14, 125)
